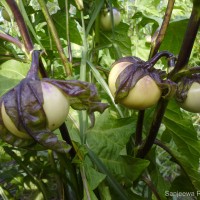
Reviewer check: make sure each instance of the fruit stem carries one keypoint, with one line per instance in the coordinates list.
(154, 59)
(189, 38)
(21, 25)
(11, 39)
(33, 72)
(66, 63)
(156, 45)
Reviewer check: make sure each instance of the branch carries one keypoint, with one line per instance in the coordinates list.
(21, 25)
(157, 119)
(11, 39)
(152, 187)
(55, 36)
(156, 45)
(189, 38)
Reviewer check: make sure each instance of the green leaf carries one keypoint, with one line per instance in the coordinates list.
(131, 168)
(109, 136)
(148, 6)
(187, 155)
(60, 23)
(178, 186)
(108, 139)
(37, 181)
(189, 170)
(147, 19)
(98, 5)
(120, 40)
(116, 187)
(91, 194)
(174, 36)
(11, 72)
(94, 177)
(104, 192)
(181, 128)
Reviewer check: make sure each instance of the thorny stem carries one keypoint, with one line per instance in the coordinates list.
(156, 45)
(11, 39)
(21, 25)
(66, 63)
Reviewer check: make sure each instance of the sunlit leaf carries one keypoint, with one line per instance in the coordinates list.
(11, 72)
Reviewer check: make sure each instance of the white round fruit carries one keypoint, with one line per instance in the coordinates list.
(143, 95)
(56, 107)
(106, 19)
(192, 101)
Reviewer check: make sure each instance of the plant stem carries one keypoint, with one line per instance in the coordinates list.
(67, 31)
(66, 63)
(138, 135)
(83, 114)
(21, 25)
(189, 38)
(157, 119)
(84, 52)
(156, 45)
(154, 49)
(151, 186)
(65, 135)
(85, 184)
(11, 39)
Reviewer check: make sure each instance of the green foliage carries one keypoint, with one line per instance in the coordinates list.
(102, 163)
(11, 73)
